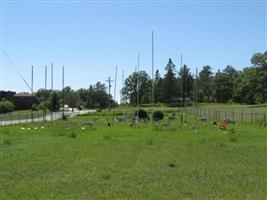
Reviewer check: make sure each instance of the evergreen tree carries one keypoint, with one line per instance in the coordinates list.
(158, 87)
(169, 84)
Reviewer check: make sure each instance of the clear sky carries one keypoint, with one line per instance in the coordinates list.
(91, 38)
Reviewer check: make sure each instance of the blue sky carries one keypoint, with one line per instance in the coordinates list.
(91, 38)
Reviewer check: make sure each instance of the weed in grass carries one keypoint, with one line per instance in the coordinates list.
(149, 141)
(232, 138)
(7, 141)
(202, 141)
(61, 133)
(172, 164)
(73, 134)
(221, 144)
(107, 137)
(106, 176)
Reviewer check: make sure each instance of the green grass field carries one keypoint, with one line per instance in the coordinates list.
(76, 160)
(235, 107)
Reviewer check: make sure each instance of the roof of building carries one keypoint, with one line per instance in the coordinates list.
(24, 94)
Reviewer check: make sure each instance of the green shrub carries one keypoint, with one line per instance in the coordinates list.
(142, 114)
(43, 106)
(34, 107)
(7, 142)
(158, 115)
(73, 134)
(6, 106)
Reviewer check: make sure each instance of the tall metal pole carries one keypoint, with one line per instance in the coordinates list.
(182, 78)
(1, 44)
(115, 86)
(63, 95)
(138, 68)
(152, 98)
(32, 95)
(196, 87)
(45, 90)
(52, 76)
(45, 77)
(122, 99)
(32, 81)
(109, 87)
(114, 97)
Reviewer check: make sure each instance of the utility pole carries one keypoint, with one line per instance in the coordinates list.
(196, 89)
(45, 77)
(63, 95)
(137, 85)
(182, 82)
(1, 44)
(52, 76)
(184, 86)
(109, 87)
(32, 95)
(114, 97)
(45, 90)
(115, 86)
(122, 98)
(32, 81)
(153, 81)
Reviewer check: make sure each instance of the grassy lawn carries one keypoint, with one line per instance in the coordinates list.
(235, 107)
(21, 114)
(72, 160)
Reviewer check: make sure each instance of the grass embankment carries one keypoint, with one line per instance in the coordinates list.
(77, 159)
(235, 107)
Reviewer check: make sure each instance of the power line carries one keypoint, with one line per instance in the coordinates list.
(17, 71)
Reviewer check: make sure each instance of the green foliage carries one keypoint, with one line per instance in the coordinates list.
(34, 107)
(73, 134)
(7, 141)
(6, 106)
(169, 83)
(140, 80)
(54, 102)
(43, 106)
(142, 114)
(158, 115)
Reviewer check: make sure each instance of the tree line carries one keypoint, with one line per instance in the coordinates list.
(178, 88)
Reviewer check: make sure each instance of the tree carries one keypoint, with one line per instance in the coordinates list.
(158, 88)
(186, 81)
(259, 60)
(143, 81)
(224, 84)
(169, 84)
(54, 101)
(71, 98)
(205, 84)
(6, 106)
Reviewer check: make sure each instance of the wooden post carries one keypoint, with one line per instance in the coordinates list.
(241, 117)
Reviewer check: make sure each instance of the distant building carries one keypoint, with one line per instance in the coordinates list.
(24, 101)
(7, 95)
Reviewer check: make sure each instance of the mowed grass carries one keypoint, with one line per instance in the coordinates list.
(261, 108)
(76, 160)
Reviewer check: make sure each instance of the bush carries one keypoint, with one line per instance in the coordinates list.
(34, 107)
(43, 106)
(6, 106)
(158, 115)
(142, 114)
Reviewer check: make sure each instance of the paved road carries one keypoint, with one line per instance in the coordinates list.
(50, 117)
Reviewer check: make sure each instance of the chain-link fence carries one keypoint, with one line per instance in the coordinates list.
(236, 116)
(36, 116)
